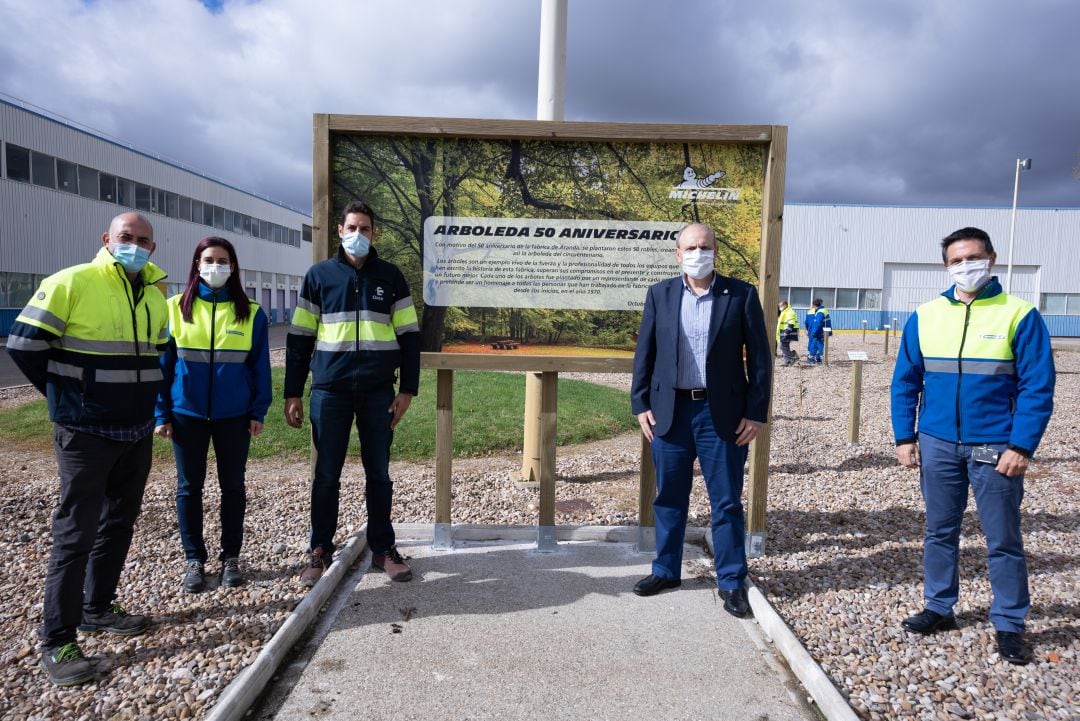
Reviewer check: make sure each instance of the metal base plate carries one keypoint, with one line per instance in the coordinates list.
(545, 540)
(441, 541)
(755, 544)
(646, 542)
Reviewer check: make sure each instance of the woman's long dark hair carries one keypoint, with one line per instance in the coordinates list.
(241, 304)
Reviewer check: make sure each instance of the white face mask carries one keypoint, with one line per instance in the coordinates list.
(215, 275)
(970, 275)
(698, 263)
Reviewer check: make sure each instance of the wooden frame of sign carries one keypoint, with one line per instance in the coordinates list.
(772, 137)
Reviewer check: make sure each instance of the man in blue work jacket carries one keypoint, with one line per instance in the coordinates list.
(975, 366)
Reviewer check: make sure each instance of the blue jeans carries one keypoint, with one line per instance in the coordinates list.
(945, 474)
(332, 414)
(692, 435)
(191, 441)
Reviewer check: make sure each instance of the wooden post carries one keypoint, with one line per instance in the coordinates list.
(549, 403)
(856, 401)
(828, 333)
(886, 341)
(646, 496)
(320, 188)
(531, 446)
(444, 454)
(864, 332)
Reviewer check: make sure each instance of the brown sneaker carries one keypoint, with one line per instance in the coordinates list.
(392, 564)
(320, 561)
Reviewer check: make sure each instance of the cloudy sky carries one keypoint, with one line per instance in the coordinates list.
(926, 102)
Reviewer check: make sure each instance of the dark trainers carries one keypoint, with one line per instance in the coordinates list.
(194, 576)
(67, 666)
(1013, 647)
(393, 564)
(230, 573)
(927, 622)
(116, 620)
(320, 561)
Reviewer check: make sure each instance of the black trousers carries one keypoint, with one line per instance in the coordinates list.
(101, 490)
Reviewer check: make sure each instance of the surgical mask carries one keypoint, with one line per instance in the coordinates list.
(356, 244)
(697, 263)
(129, 255)
(970, 275)
(215, 275)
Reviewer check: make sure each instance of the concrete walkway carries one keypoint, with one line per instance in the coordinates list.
(496, 630)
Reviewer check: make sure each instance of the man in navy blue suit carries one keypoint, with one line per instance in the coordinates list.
(696, 397)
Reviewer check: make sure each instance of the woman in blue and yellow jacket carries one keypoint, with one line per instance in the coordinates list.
(217, 388)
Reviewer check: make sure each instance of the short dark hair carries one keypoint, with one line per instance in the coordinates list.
(965, 234)
(358, 206)
(818, 301)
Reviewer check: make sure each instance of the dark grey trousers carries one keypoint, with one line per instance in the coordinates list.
(101, 491)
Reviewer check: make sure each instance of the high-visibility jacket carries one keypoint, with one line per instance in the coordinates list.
(978, 373)
(789, 322)
(216, 366)
(353, 327)
(91, 343)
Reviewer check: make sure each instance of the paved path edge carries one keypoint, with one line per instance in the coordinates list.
(241, 694)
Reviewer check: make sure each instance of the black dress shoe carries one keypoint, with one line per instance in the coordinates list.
(1013, 648)
(735, 602)
(652, 585)
(929, 622)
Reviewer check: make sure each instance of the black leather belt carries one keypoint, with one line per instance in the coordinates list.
(694, 394)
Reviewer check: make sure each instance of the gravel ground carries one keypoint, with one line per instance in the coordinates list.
(844, 563)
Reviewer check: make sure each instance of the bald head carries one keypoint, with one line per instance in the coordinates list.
(130, 228)
(696, 235)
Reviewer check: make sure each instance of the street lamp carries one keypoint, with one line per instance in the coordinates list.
(1021, 164)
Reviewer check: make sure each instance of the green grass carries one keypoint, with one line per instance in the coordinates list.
(488, 410)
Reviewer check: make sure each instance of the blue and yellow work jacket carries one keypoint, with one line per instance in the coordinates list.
(216, 366)
(978, 373)
(353, 327)
(91, 343)
(817, 322)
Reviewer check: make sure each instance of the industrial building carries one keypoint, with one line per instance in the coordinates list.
(879, 263)
(61, 184)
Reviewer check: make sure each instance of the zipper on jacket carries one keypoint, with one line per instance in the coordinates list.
(132, 304)
(960, 371)
(210, 383)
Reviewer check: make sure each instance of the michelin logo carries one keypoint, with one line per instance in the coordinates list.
(700, 189)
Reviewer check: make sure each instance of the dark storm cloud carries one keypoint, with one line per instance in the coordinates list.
(886, 102)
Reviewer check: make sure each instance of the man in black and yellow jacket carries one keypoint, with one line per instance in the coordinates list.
(90, 341)
(354, 326)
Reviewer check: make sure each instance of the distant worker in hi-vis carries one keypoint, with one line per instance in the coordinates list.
(354, 328)
(972, 392)
(787, 331)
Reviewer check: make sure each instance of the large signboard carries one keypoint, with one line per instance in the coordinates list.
(547, 231)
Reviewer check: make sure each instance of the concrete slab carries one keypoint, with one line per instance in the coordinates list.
(496, 630)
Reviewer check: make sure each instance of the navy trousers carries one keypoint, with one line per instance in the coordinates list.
(191, 442)
(691, 436)
(332, 416)
(947, 470)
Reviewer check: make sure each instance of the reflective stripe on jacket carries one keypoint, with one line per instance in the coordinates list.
(216, 366)
(978, 373)
(353, 327)
(788, 321)
(91, 343)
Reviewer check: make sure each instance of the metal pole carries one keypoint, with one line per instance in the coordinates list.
(1012, 226)
(864, 332)
(551, 87)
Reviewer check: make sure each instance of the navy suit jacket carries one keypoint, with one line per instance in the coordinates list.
(735, 389)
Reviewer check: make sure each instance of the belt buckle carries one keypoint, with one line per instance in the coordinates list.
(697, 394)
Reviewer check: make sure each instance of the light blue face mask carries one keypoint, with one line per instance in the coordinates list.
(129, 255)
(356, 244)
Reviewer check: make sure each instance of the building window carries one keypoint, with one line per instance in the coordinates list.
(847, 297)
(172, 205)
(208, 214)
(869, 299)
(125, 192)
(143, 195)
(107, 187)
(294, 238)
(305, 235)
(219, 218)
(800, 297)
(18, 163)
(157, 201)
(67, 176)
(827, 296)
(237, 223)
(185, 208)
(20, 286)
(43, 170)
(88, 182)
(247, 225)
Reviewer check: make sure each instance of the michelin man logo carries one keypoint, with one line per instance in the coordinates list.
(699, 189)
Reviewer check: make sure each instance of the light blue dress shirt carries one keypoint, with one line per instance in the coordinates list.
(694, 316)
